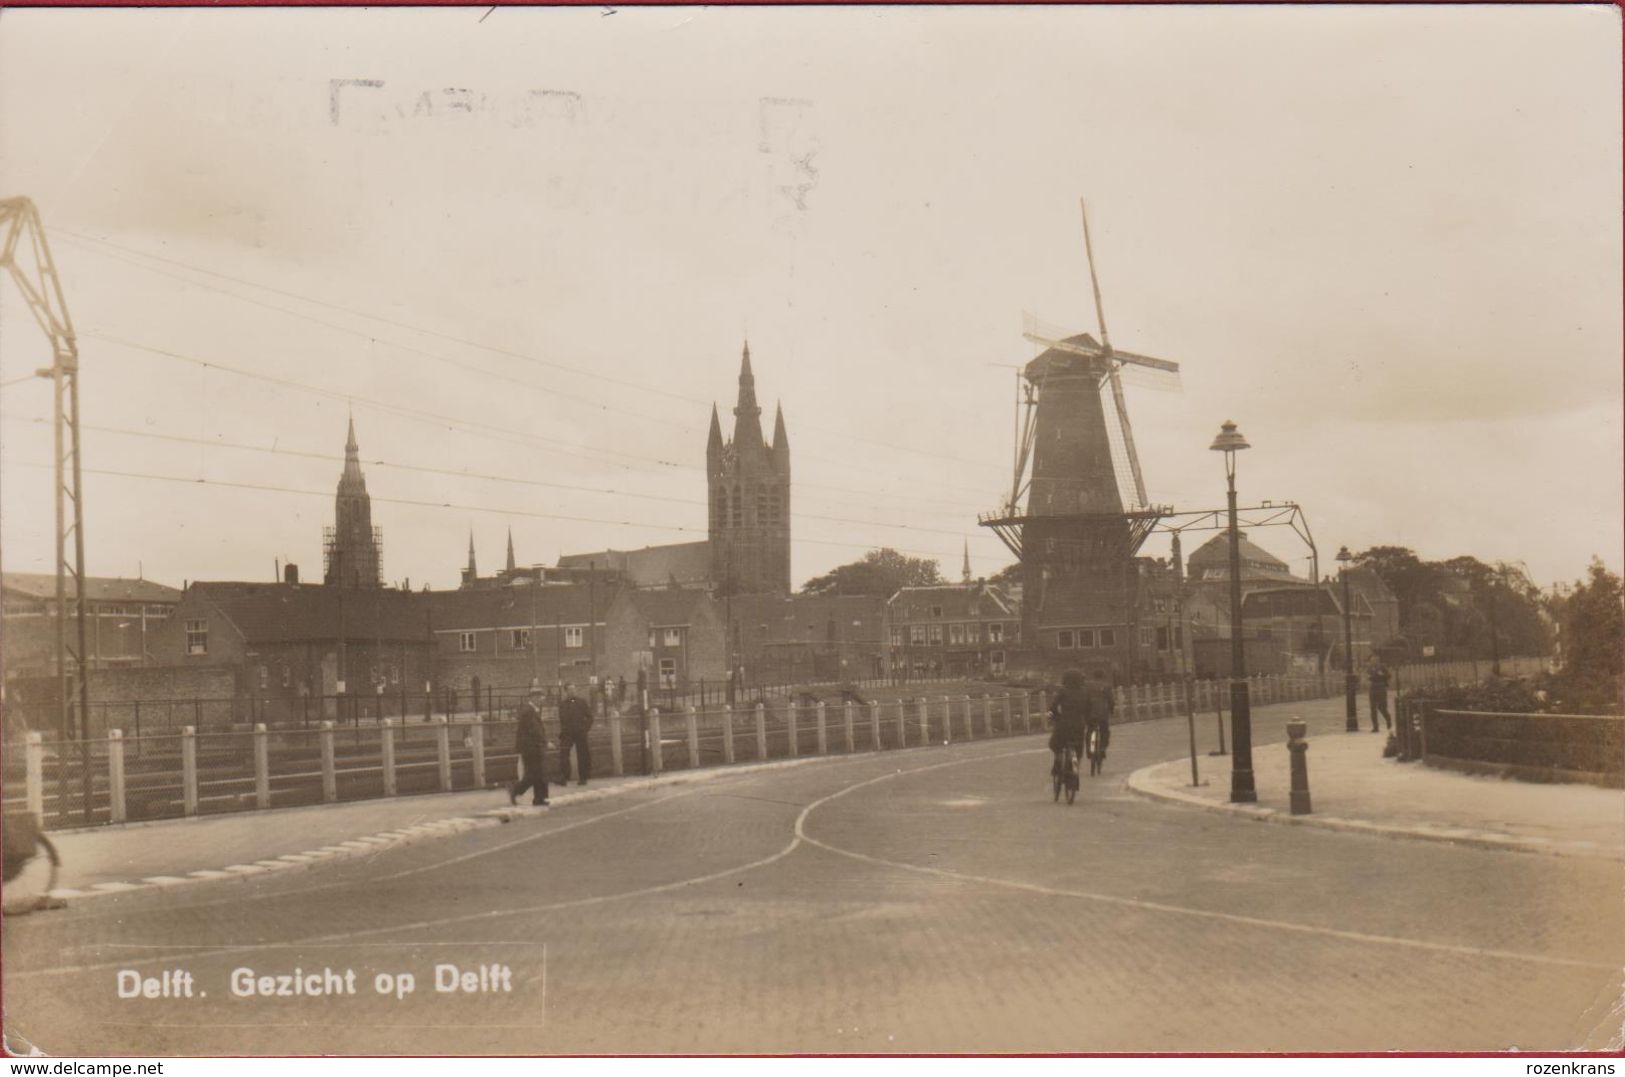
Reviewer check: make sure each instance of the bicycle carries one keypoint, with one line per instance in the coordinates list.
(24, 840)
(1095, 749)
(1065, 775)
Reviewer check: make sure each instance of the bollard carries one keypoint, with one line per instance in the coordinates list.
(34, 750)
(846, 727)
(987, 713)
(189, 770)
(727, 733)
(262, 767)
(970, 718)
(823, 729)
(115, 775)
(1026, 717)
(1295, 731)
(657, 754)
(692, 721)
(386, 748)
(324, 740)
(442, 748)
(947, 720)
(617, 752)
(761, 731)
(902, 724)
(795, 732)
(874, 726)
(476, 745)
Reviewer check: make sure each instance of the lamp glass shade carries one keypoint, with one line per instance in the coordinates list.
(1229, 440)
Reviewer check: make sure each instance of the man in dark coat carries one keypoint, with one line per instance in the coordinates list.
(1377, 676)
(1068, 712)
(531, 744)
(1101, 705)
(575, 719)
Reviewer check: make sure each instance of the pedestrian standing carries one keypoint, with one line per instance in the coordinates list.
(575, 719)
(531, 744)
(1377, 677)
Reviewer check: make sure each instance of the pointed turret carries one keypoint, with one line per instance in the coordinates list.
(747, 413)
(471, 573)
(351, 482)
(964, 572)
(713, 443)
(510, 551)
(781, 443)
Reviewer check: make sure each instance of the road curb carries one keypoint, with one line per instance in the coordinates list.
(371, 844)
(1144, 784)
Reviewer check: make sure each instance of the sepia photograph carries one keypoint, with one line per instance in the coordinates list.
(812, 530)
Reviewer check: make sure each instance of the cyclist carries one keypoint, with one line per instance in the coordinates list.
(1068, 715)
(1099, 713)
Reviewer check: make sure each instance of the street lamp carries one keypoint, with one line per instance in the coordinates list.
(1351, 682)
(1242, 790)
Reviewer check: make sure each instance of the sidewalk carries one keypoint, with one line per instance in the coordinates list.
(1353, 788)
(134, 856)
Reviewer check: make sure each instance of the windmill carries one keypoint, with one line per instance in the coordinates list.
(1078, 512)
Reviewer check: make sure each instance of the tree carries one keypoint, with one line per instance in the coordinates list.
(878, 572)
(1593, 633)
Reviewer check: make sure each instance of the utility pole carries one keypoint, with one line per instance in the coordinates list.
(42, 289)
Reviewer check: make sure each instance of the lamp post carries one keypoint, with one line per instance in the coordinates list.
(1242, 791)
(1351, 680)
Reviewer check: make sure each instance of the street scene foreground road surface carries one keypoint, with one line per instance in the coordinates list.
(928, 900)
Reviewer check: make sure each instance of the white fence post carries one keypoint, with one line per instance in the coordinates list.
(442, 751)
(386, 747)
(1024, 699)
(761, 731)
(970, 719)
(656, 753)
(262, 767)
(790, 723)
(476, 744)
(874, 725)
(115, 775)
(617, 757)
(189, 770)
(691, 719)
(823, 729)
(947, 721)
(34, 751)
(846, 725)
(987, 713)
(330, 790)
(727, 732)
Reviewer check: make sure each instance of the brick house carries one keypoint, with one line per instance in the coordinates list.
(957, 629)
(121, 616)
(782, 638)
(510, 636)
(676, 634)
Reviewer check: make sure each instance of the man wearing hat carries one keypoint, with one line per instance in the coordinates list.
(531, 744)
(575, 720)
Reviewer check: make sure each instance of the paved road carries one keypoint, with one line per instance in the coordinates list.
(924, 900)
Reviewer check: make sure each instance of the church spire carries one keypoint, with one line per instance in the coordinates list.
(964, 573)
(472, 572)
(747, 413)
(352, 482)
(510, 551)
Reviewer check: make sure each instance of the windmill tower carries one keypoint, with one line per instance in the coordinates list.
(1086, 512)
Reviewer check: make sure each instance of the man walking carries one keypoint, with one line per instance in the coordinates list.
(1377, 675)
(575, 719)
(531, 744)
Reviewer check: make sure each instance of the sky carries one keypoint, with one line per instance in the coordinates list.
(524, 248)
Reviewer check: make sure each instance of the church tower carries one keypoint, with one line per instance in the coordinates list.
(749, 487)
(352, 546)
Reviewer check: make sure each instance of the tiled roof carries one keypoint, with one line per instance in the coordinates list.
(97, 588)
(519, 607)
(287, 613)
(669, 607)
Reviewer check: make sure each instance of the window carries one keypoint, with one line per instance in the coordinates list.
(668, 673)
(737, 517)
(973, 633)
(956, 635)
(652, 637)
(1179, 637)
(916, 635)
(674, 637)
(265, 678)
(1108, 637)
(896, 636)
(465, 642)
(158, 611)
(519, 639)
(1148, 636)
(287, 677)
(197, 637)
(1063, 639)
(995, 633)
(1086, 637)
(1162, 639)
(574, 636)
(720, 519)
(936, 611)
(934, 634)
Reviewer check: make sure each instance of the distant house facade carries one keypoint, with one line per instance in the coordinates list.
(963, 629)
(783, 639)
(121, 616)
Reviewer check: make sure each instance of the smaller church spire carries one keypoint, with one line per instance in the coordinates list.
(747, 408)
(510, 550)
(713, 443)
(473, 572)
(964, 572)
